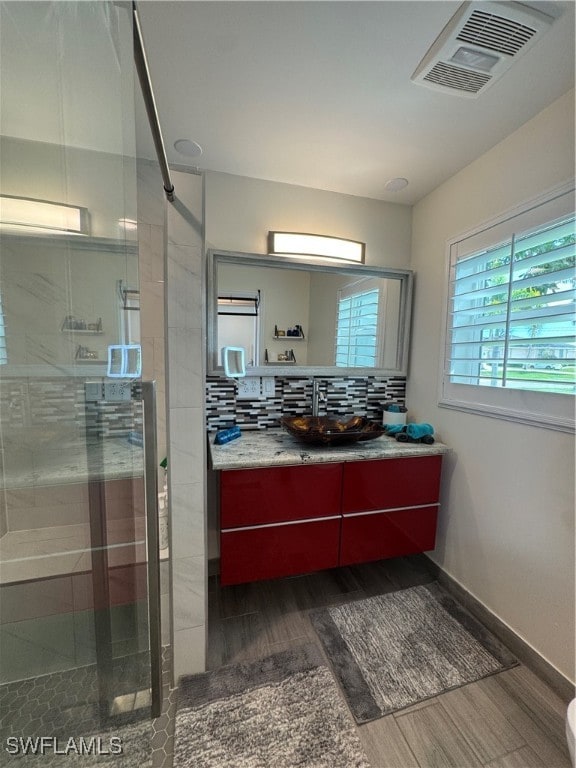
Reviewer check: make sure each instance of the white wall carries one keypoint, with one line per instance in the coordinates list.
(240, 212)
(507, 520)
(323, 315)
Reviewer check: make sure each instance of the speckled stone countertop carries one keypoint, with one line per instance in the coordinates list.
(276, 448)
(71, 461)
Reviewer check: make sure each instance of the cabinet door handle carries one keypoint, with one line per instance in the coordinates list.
(280, 525)
(390, 509)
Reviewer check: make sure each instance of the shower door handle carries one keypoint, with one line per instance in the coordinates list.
(153, 540)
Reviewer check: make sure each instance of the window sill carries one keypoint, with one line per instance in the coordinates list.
(520, 417)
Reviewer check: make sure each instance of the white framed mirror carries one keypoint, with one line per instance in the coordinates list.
(304, 318)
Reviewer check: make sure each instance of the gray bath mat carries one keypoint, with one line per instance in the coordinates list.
(284, 711)
(394, 650)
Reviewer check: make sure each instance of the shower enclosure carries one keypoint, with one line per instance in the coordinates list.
(81, 308)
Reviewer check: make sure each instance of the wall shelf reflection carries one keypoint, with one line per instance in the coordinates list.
(87, 333)
(288, 338)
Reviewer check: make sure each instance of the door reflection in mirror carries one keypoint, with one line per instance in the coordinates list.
(238, 322)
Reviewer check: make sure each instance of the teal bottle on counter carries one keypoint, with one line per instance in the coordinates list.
(225, 435)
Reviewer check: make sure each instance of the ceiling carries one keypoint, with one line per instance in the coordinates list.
(318, 94)
(311, 93)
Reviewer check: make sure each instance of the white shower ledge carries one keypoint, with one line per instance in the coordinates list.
(71, 461)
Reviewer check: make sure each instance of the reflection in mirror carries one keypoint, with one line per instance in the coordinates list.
(323, 319)
(238, 322)
(69, 300)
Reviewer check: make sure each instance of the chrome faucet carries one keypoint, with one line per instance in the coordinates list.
(318, 396)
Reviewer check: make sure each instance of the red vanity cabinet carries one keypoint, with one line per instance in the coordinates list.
(389, 508)
(279, 521)
(277, 494)
(281, 549)
(283, 521)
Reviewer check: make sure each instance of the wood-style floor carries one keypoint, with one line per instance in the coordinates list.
(509, 720)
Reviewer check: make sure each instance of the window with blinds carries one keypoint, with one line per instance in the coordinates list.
(357, 330)
(511, 323)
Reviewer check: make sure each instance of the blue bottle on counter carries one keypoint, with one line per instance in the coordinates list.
(225, 435)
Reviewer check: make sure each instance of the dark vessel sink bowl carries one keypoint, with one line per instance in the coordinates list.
(329, 430)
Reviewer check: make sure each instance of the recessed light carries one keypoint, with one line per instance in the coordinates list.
(474, 59)
(187, 147)
(395, 185)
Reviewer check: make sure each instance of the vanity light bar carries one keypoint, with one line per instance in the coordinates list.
(323, 246)
(42, 216)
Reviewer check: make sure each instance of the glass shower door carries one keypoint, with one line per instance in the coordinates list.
(76, 657)
(124, 577)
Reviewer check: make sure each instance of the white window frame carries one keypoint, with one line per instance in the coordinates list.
(544, 409)
(3, 348)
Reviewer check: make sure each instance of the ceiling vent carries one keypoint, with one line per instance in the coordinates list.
(478, 45)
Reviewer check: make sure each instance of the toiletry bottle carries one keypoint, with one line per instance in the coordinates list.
(226, 435)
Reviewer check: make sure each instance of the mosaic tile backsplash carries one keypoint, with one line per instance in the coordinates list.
(60, 402)
(345, 396)
(31, 403)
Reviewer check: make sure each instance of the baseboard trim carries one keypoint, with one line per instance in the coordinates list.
(560, 684)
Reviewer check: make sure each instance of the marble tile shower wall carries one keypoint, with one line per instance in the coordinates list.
(32, 403)
(292, 396)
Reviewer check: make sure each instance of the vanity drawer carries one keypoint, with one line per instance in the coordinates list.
(389, 483)
(271, 551)
(378, 535)
(277, 494)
